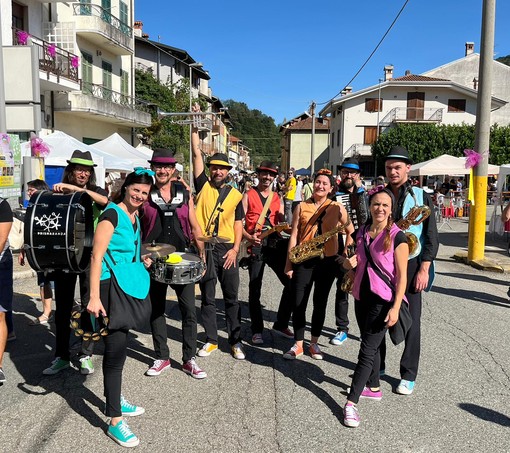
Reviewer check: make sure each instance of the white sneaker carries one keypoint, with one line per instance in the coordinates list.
(238, 352)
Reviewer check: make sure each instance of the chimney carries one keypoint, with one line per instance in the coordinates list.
(470, 48)
(348, 90)
(138, 27)
(408, 72)
(388, 72)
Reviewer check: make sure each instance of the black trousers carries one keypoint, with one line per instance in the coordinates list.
(65, 284)
(186, 300)
(115, 353)
(373, 329)
(410, 359)
(275, 258)
(229, 282)
(322, 273)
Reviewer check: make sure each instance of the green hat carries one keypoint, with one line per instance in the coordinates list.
(82, 158)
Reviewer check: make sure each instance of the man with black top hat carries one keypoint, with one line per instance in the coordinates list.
(79, 176)
(264, 210)
(169, 218)
(220, 215)
(351, 194)
(420, 267)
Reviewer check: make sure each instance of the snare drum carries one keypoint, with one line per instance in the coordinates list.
(189, 270)
(59, 229)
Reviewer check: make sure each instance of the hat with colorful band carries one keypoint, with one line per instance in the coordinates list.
(399, 153)
(82, 158)
(351, 164)
(162, 156)
(219, 159)
(268, 166)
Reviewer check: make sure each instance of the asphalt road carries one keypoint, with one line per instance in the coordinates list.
(267, 404)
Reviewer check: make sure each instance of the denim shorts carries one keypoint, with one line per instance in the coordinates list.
(6, 282)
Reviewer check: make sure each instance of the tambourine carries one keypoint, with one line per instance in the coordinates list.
(87, 336)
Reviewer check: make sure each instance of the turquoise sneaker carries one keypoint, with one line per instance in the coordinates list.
(121, 434)
(128, 409)
(86, 365)
(405, 387)
(339, 338)
(56, 366)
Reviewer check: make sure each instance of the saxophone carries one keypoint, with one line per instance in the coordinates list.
(415, 216)
(347, 281)
(314, 248)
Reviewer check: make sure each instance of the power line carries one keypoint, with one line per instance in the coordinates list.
(371, 55)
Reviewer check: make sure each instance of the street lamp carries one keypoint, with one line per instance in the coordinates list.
(191, 66)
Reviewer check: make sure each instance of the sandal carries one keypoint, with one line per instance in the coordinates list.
(43, 319)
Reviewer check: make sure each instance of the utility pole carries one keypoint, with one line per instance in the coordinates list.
(312, 163)
(477, 218)
(3, 115)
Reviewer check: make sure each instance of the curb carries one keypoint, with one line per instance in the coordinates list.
(485, 264)
(18, 275)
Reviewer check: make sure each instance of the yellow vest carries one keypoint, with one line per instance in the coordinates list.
(206, 202)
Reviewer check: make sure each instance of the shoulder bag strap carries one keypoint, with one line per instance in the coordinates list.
(221, 198)
(314, 218)
(269, 199)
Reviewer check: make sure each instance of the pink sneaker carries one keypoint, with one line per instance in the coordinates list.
(191, 368)
(369, 394)
(158, 367)
(351, 416)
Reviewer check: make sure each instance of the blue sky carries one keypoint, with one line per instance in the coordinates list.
(278, 56)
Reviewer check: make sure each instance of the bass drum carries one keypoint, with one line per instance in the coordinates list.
(59, 229)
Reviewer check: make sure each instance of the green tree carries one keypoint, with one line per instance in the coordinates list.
(426, 141)
(257, 131)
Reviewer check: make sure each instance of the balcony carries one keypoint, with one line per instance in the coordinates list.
(412, 115)
(58, 68)
(95, 24)
(107, 105)
(358, 150)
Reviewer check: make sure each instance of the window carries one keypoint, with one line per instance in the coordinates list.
(85, 8)
(332, 139)
(369, 135)
(86, 72)
(107, 80)
(373, 105)
(124, 19)
(124, 86)
(338, 137)
(456, 105)
(107, 10)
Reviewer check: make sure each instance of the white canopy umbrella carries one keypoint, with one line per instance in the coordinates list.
(446, 165)
(62, 146)
(117, 146)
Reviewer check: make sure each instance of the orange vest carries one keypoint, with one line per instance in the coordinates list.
(255, 207)
(330, 220)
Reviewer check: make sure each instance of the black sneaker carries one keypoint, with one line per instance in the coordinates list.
(2, 376)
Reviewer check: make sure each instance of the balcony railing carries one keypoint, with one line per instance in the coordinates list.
(52, 59)
(88, 9)
(413, 115)
(102, 92)
(358, 150)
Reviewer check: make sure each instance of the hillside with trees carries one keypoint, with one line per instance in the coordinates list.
(257, 131)
(504, 60)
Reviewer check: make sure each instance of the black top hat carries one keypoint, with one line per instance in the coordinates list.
(351, 164)
(82, 158)
(219, 159)
(267, 165)
(162, 156)
(399, 153)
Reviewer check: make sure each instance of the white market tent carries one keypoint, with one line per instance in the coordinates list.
(62, 146)
(446, 165)
(117, 146)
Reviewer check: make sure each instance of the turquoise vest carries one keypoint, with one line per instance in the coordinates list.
(409, 203)
(124, 242)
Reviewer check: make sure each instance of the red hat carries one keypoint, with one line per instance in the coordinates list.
(162, 156)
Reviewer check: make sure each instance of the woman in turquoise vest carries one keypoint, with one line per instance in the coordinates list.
(118, 236)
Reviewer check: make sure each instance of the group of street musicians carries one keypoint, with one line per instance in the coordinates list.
(309, 252)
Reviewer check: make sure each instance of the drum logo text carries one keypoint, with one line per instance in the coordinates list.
(49, 222)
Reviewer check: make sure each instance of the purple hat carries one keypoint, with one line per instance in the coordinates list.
(162, 156)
